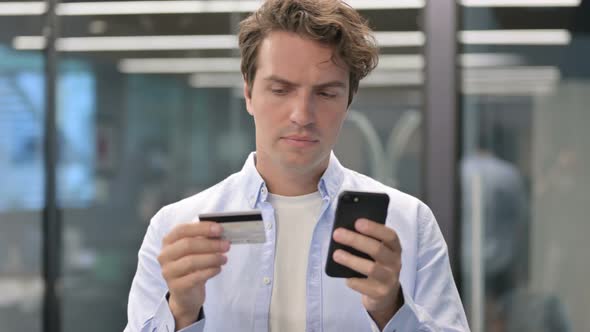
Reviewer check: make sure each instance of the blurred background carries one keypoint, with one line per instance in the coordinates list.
(150, 110)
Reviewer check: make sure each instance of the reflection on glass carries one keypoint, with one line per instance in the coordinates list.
(381, 137)
(22, 130)
(494, 221)
(382, 161)
(524, 167)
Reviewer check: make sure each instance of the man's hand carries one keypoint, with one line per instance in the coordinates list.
(381, 289)
(191, 254)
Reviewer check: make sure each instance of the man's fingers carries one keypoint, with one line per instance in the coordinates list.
(363, 266)
(380, 232)
(187, 246)
(202, 228)
(191, 264)
(189, 281)
(369, 287)
(374, 248)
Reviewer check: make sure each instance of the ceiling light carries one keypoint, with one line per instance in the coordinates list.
(399, 38)
(521, 3)
(154, 7)
(182, 65)
(216, 80)
(131, 43)
(515, 37)
(405, 61)
(22, 8)
(512, 74)
(386, 4)
(28, 42)
(474, 60)
(380, 78)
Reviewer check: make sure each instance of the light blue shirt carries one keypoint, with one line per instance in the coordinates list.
(238, 299)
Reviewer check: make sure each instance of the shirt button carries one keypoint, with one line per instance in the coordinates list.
(263, 191)
(266, 280)
(268, 225)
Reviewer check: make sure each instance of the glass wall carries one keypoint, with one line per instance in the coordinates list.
(382, 134)
(150, 110)
(525, 165)
(158, 127)
(22, 107)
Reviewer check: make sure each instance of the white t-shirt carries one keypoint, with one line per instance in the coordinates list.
(295, 219)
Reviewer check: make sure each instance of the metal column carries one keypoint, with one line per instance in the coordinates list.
(441, 140)
(51, 222)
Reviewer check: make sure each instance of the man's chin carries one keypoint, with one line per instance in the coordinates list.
(302, 162)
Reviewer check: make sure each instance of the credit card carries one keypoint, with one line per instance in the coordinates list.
(242, 227)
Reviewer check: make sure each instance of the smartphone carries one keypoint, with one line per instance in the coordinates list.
(353, 205)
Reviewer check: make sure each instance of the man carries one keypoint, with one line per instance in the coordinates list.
(301, 61)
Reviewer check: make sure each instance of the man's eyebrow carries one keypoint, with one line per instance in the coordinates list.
(277, 79)
(330, 84)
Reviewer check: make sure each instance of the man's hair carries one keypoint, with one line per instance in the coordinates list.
(331, 22)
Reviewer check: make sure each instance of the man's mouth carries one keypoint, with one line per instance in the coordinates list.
(300, 141)
(301, 138)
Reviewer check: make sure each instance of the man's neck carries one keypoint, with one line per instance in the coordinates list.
(286, 182)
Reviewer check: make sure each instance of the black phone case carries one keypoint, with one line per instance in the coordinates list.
(372, 206)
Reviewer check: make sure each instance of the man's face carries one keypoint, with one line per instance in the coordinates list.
(298, 100)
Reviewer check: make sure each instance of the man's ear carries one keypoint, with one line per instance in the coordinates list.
(248, 96)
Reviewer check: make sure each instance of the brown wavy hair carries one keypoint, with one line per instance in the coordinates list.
(330, 22)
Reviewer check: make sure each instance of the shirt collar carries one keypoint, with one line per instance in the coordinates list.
(331, 180)
(254, 185)
(328, 186)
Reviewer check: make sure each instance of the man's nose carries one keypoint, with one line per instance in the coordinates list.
(302, 112)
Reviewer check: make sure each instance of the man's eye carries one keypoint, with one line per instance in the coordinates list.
(279, 91)
(327, 94)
